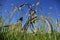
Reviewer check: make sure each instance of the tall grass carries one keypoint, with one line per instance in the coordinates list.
(15, 35)
(18, 35)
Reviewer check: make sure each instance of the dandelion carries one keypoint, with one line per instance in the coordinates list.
(37, 3)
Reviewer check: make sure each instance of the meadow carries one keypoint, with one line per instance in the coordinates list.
(16, 34)
(46, 27)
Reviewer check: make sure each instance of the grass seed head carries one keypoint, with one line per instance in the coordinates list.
(32, 4)
(37, 3)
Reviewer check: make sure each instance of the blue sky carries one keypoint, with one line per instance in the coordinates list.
(44, 4)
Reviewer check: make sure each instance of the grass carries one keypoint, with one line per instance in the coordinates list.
(40, 35)
(16, 35)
